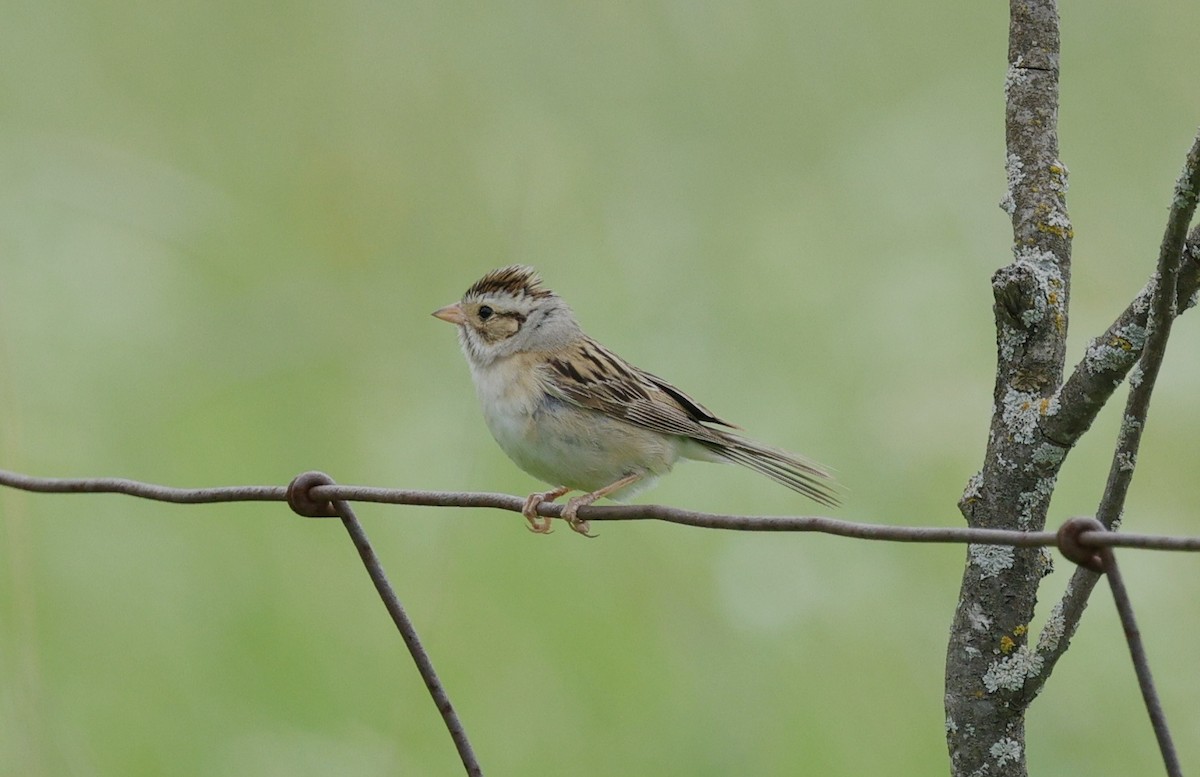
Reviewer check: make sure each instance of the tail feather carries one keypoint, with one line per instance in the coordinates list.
(798, 474)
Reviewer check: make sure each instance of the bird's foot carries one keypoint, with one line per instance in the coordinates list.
(540, 524)
(573, 505)
(576, 523)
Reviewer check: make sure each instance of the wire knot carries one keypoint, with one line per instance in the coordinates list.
(299, 496)
(1070, 543)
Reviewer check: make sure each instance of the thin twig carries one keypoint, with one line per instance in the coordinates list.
(1162, 316)
(1163, 309)
(1141, 665)
(1110, 356)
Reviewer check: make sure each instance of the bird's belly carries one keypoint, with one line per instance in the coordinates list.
(565, 445)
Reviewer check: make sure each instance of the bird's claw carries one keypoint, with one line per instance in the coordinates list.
(542, 524)
(576, 523)
(539, 524)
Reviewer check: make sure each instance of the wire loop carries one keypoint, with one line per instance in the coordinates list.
(1071, 542)
(300, 499)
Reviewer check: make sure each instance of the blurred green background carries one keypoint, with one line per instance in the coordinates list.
(223, 227)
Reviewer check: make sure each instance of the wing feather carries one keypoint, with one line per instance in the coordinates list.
(595, 378)
(592, 377)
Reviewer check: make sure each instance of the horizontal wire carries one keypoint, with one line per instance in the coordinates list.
(143, 490)
(773, 523)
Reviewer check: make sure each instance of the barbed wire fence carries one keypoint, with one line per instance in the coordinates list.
(1084, 540)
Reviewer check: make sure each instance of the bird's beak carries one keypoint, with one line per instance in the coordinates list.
(452, 313)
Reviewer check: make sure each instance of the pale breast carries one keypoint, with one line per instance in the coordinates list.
(561, 443)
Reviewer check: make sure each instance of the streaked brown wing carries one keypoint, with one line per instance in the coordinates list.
(595, 378)
(696, 410)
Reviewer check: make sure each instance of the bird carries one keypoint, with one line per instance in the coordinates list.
(578, 417)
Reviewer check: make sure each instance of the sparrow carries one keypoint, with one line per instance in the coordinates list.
(578, 417)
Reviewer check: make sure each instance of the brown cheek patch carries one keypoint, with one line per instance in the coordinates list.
(501, 326)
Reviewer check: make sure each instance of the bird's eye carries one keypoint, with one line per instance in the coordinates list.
(485, 312)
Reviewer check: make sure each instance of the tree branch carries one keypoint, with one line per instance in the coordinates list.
(988, 659)
(1171, 290)
(992, 674)
(1110, 356)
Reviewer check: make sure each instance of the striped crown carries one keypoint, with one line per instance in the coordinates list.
(515, 280)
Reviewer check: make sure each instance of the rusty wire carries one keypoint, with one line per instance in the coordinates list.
(330, 492)
(1083, 540)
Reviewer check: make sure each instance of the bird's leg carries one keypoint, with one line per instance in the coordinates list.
(537, 524)
(573, 504)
